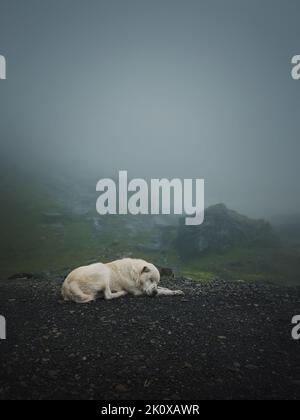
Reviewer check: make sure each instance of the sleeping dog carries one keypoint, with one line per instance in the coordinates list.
(113, 280)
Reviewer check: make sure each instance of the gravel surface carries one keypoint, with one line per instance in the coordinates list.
(219, 341)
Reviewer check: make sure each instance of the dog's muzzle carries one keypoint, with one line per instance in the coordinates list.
(154, 293)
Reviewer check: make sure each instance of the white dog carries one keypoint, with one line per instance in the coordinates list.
(113, 280)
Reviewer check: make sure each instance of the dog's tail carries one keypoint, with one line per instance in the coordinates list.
(71, 291)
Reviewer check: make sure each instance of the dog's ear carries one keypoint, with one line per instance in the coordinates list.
(145, 270)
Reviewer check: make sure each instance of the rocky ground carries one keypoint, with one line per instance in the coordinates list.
(219, 341)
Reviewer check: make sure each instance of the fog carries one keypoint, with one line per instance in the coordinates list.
(160, 88)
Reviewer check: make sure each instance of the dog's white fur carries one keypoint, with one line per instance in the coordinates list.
(113, 280)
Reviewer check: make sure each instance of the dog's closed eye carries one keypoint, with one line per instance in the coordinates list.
(145, 270)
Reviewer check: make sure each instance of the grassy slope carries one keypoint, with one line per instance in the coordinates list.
(28, 244)
(38, 248)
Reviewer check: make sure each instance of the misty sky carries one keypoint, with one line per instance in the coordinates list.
(161, 88)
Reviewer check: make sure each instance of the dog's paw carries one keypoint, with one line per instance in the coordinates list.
(178, 292)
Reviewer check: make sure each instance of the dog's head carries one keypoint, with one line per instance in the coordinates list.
(149, 279)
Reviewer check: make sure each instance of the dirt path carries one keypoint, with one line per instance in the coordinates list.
(219, 341)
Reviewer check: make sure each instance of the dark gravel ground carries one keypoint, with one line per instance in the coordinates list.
(219, 341)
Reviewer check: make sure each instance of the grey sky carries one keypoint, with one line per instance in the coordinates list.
(171, 88)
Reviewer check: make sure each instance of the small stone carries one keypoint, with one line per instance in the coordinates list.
(53, 374)
(121, 388)
(297, 383)
(188, 365)
(251, 367)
